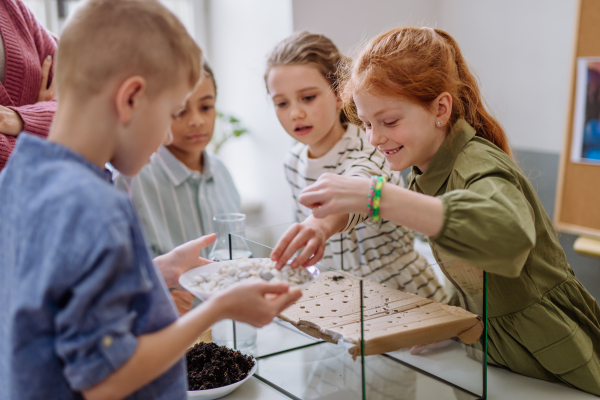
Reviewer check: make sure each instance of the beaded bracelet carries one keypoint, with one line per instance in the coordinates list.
(374, 196)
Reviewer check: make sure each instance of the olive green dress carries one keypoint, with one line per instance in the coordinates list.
(541, 321)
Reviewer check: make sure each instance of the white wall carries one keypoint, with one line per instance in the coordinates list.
(521, 51)
(350, 22)
(240, 34)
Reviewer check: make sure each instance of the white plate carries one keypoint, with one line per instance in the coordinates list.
(209, 394)
(187, 281)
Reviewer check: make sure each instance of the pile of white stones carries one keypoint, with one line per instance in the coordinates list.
(234, 271)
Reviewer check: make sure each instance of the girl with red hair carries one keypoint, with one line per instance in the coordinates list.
(421, 107)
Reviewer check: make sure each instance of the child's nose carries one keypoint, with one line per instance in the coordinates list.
(297, 112)
(196, 120)
(375, 137)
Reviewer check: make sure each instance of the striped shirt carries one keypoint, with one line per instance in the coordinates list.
(175, 204)
(381, 251)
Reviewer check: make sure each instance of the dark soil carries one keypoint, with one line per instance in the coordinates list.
(210, 366)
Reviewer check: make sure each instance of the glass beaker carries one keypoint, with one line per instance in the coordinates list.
(245, 335)
(226, 224)
(222, 331)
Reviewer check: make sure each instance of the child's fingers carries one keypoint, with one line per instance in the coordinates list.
(284, 241)
(316, 257)
(311, 248)
(296, 244)
(203, 241)
(279, 287)
(285, 300)
(311, 199)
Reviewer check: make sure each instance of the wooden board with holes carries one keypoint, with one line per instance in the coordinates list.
(330, 309)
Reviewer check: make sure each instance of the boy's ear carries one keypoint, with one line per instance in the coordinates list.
(129, 96)
(443, 105)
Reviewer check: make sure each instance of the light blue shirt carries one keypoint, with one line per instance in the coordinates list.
(77, 285)
(176, 204)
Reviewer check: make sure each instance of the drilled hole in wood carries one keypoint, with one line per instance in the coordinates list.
(307, 312)
(366, 297)
(302, 307)
(334, 310)
(390, 322)
(335, 323)
(346, 296)
(344, 301)
(317, 304)
(321, 317)
(406, 326)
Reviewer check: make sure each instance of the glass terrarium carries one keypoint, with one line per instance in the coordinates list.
(351, 338)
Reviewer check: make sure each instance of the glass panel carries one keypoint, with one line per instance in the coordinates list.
(349, 308)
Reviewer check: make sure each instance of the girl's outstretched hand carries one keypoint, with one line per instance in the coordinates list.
(255, 303)
(336, 194)
(310, 235)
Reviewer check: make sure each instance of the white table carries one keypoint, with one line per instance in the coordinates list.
(315, 372)
(502, 385)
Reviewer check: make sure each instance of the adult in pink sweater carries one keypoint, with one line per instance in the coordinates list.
(26, 102)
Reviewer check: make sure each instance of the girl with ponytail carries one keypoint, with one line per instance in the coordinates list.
(412, 91)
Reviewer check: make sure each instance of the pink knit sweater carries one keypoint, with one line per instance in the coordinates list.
(26, 44)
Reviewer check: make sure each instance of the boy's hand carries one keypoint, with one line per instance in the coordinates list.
(46, 93)
(255, 303)
(312, 235)
(183, 258)
(336, 194)
(10, 122)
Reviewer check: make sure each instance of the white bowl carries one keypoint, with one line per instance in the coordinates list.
(209, 394)
(187, 281)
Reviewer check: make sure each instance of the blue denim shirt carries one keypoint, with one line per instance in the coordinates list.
(77, 285)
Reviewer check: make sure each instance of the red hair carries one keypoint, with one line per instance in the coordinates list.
(420, 64)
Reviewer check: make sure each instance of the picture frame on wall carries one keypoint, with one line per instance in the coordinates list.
(585, 148)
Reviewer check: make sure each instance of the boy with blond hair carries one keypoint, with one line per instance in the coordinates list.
(84, 310)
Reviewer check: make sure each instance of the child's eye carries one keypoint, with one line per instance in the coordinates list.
(180, 113)
(207, 108)
(391, 123)
(309, 98)
(367, 125)
(281, 104)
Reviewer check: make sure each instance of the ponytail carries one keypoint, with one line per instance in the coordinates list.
(470, 105)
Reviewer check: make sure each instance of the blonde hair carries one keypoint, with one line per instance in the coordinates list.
(305, 48)
(113, 39)
(420, 64)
